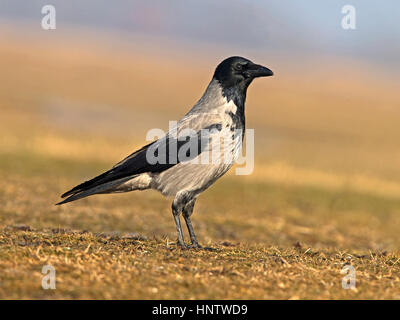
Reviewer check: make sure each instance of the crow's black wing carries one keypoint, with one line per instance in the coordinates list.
(129, 164)
(139, 162)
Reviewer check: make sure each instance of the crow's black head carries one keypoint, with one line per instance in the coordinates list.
(235, 74)
(239, 72)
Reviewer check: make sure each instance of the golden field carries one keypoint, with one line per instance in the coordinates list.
(325, 191)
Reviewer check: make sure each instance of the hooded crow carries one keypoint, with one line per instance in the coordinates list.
(178, 164)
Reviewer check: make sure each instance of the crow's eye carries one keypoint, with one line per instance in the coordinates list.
(239, 67)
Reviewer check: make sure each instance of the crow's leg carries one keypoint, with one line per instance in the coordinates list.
(187, 212)
(176, 211)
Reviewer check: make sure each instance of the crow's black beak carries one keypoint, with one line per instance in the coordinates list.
(256, 70)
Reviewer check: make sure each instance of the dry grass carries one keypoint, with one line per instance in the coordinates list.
(324, 193)
(105, 267)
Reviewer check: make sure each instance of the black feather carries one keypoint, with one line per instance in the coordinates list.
(104, 177)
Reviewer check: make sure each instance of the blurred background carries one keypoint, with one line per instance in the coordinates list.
(77, 99)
